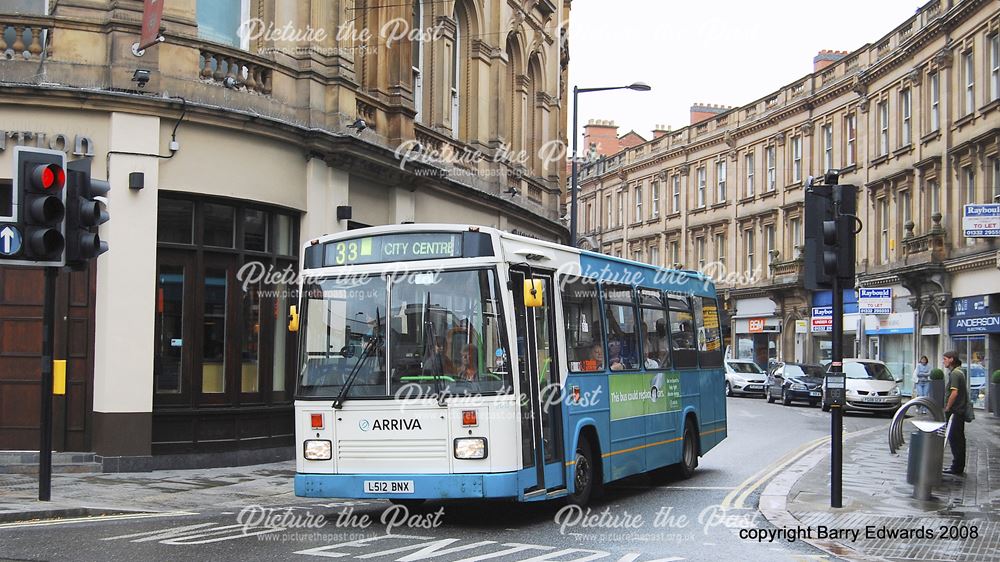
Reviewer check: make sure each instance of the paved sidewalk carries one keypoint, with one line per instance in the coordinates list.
(74, 495)
(877, 498)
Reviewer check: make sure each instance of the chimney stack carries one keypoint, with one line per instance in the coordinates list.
(602, 136)
(825, 58)
(703, 111)
(660, 131)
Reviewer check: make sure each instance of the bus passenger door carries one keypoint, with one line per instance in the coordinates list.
(541, 392)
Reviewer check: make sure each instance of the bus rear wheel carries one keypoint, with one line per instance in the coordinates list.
(689, 454)
(585, 482)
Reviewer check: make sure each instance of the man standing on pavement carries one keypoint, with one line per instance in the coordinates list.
(958, 397)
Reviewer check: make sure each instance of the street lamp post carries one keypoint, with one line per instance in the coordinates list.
(637, 86)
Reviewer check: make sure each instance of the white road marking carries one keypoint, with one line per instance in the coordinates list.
(94, 519)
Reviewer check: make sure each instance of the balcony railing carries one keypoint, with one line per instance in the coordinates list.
(23, 37)
(235, 70)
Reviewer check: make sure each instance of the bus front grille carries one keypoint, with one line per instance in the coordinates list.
(393, 449)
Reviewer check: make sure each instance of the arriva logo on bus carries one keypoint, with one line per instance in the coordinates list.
(389, 424)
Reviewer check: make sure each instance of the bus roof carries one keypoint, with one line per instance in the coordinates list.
(592, 263)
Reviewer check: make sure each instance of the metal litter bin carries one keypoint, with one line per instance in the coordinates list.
(926, 457)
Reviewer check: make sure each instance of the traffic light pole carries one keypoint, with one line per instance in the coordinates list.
(45, 426)
(837, 412)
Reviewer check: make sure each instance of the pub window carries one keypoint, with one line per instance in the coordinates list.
(655, 338)
(682, 332)
(706, 317)
(284, 235)
(219, 223)
(175, 221)
(623, 342)
(255, 230)
(582, 318)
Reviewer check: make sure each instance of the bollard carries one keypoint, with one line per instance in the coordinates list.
(926, 458)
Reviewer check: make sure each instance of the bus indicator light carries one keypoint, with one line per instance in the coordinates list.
(316, 421)
(469, 418)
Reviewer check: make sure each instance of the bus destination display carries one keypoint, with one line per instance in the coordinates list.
(393, 247)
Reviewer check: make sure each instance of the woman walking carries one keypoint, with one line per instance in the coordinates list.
(922, 379)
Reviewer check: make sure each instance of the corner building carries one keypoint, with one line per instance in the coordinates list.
(282, 134)
(912, 119)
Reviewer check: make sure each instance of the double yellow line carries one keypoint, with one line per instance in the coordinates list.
(736, 499)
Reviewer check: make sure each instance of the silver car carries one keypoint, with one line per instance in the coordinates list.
(871, 387)
(743, 377)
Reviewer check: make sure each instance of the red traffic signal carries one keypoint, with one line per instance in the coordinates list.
(47, 177)
(39, 208)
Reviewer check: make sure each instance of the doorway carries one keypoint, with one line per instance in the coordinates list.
(541, 391)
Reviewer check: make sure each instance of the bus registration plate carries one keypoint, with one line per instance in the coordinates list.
(388, 486)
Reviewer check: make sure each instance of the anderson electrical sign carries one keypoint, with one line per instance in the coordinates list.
(982, 324)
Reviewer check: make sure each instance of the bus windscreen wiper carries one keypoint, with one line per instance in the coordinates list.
(373, 343)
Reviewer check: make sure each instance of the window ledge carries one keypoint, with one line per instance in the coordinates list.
(967, 120)
(849, 169)
(931, 136)
(653, 220)
(903, 150)
(768, 194)
(696, 210)
(747, 199)
(794, 185)
(995, 104)
(720, 205)
(880, 160)
(674, 215)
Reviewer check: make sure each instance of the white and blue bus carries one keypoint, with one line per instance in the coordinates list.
(449, 362)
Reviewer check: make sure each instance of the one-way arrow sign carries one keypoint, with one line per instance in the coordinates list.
(10, 241)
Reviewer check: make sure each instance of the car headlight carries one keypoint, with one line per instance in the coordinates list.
(317, 450)
(738, 379)
(798, 386)
(470, 448)
(894, 391)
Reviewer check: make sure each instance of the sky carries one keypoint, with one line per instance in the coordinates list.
(728, 52)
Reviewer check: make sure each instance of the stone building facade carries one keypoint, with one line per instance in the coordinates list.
(912, 119)
(257, 125)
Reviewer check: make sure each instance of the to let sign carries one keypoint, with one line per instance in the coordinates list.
(875, 301)
(981, 221)
(822, 319)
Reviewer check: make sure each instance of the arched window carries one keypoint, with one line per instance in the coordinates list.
(417, 53)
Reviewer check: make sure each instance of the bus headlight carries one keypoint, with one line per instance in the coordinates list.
(318, 450)
(470, 448)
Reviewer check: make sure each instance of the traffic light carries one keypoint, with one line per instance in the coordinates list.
(40, 207)
(830, 230)
(84, 214)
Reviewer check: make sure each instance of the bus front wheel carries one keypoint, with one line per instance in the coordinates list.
(584, 474)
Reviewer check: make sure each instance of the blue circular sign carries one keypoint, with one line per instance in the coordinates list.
(10, 240)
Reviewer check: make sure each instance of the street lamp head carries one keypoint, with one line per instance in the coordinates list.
(640, 87)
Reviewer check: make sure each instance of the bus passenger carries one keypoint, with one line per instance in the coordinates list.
(469, 370)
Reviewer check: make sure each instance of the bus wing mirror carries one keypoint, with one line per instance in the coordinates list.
(533, 293)
(293, 318)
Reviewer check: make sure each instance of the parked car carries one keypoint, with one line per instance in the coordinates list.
(871, 387)
(744, 377)
(795, 382)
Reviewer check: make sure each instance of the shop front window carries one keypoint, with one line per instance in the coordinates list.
(972, 351)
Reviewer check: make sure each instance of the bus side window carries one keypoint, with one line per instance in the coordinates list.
(582, 321)
(683, 344)
(655, 340)
(709, 332)
(623, 339)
